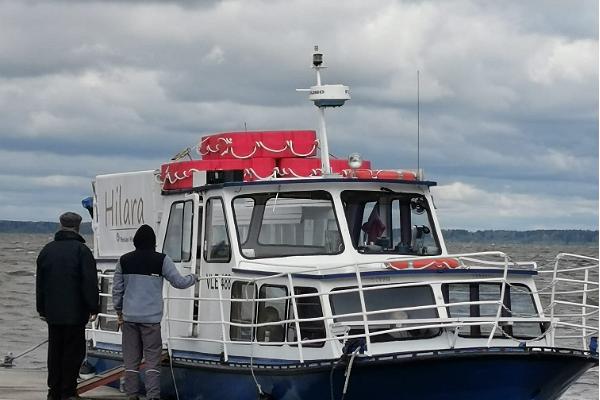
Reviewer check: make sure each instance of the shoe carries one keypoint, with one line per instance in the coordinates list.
(133, 397)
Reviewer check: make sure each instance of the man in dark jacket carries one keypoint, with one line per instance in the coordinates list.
(66, 298)
(138, 301)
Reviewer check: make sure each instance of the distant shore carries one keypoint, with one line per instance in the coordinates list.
(37, 227)
(542, 236)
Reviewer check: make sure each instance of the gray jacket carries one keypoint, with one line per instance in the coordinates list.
(138, 284)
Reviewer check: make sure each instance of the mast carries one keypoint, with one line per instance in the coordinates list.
(324, 96)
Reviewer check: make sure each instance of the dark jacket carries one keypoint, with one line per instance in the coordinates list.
(66, 281)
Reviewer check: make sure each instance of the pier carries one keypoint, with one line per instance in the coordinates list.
(30, 384)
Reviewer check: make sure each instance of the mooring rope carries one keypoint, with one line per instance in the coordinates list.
(8, 359)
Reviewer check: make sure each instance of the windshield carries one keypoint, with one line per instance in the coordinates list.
(390, 222)
(287, 224)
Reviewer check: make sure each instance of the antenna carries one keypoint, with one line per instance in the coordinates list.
(324, 96)
(418, 127)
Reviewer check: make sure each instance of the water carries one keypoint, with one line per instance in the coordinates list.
(20, 327)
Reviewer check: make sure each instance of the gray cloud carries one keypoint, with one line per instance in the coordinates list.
(509, 91)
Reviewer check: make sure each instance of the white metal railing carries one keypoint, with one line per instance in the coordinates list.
(576, 316)
(362, 322)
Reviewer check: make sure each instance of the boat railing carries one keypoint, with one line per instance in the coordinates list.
(571, 299)
(364, 324)
(370, 327)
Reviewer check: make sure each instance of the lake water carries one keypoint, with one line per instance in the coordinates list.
(20, 327)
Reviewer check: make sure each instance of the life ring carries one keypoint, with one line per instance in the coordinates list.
(426, 263)
(389, 174)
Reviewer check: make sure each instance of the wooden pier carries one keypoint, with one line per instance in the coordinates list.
(30, 384)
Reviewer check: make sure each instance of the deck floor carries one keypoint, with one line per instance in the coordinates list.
(30, 384)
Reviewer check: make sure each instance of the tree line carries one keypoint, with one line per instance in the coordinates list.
(542, 236)
(547, 236)
(37, 227)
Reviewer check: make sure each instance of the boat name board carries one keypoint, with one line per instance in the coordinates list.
(123, 211)
(123, 203)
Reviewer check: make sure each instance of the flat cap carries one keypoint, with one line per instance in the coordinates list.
(70, 220)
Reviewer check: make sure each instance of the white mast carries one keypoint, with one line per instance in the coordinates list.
(325, 96)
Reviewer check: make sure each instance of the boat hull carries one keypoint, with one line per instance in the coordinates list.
(494, 373)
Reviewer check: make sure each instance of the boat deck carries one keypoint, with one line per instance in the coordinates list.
(30, 384)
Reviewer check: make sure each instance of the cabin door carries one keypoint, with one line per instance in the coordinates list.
(198, 257)
(181, 244)
(216, 268)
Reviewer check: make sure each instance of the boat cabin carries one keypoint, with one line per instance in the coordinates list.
(292, 267)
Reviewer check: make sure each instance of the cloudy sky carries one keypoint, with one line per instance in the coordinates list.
(509, 95)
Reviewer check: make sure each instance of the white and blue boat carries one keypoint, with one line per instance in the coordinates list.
(328, 279)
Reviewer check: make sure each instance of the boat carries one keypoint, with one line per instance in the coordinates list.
(325, 278)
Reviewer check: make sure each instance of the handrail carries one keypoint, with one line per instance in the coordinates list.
(364, 320)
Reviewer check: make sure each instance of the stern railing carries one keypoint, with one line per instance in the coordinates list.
(571, 298)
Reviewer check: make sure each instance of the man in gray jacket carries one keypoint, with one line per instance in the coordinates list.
(138, 301)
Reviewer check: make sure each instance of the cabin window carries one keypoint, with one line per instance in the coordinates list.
(287, 224)
(518, 303)
(243, 212)
(217, 247)
(308, 307)
(178, 239)
(271, 308)
(242, 312)
(199, 235)
(106, 306)
(387, 299)
(390, 222)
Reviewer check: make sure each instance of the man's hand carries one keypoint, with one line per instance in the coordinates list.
(119, 318)
(93, 317)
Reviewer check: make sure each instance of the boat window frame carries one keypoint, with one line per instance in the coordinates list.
(208, 213)
(253, 316)
(106, 305)
(275, 194)
(292, 325)
(393, 196)
(263, 300)
(185, 203)
(475, 330)
(377, 338)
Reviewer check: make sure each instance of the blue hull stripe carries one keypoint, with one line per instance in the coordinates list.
(391, 272)
(495, 373)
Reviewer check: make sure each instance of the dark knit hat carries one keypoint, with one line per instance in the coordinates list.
(144, 238)
(70, 220)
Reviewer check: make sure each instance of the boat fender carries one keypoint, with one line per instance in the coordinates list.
(384, 174)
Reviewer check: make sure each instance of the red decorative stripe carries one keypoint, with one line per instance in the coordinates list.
(425, 263)
(260, 144)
